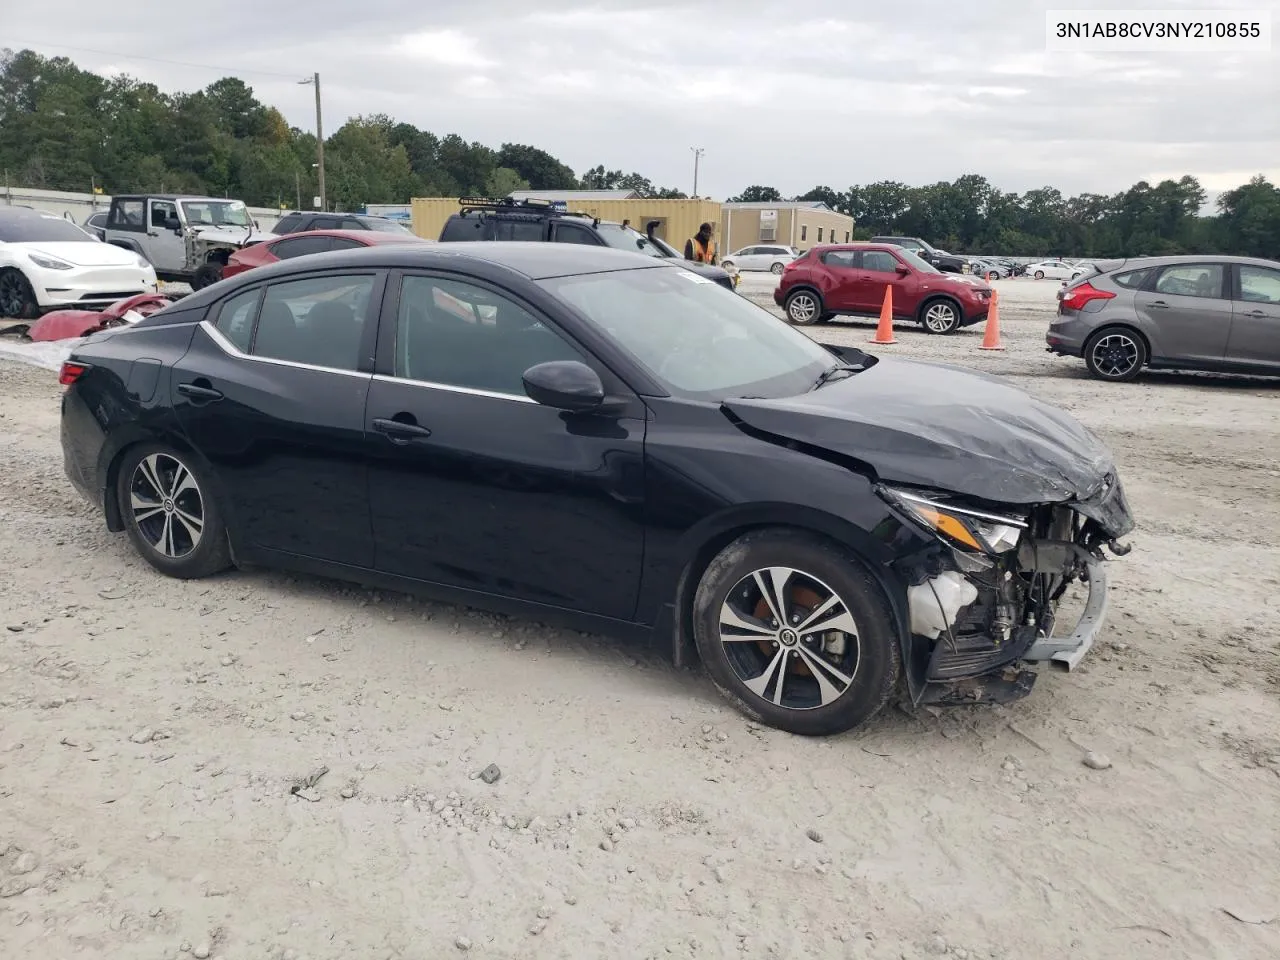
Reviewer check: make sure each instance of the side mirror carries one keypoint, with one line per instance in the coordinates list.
(565, 385)
(173, 223)
(902, 269)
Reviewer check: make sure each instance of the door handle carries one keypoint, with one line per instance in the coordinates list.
(399, 432)
(152, 233)
(1256, 313)
(197, 392)
(1159, 303)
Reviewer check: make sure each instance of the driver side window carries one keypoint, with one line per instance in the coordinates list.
(461, 335)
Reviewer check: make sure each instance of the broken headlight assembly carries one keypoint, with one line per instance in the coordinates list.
(962, 528)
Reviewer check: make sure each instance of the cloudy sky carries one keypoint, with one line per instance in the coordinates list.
(778, 93)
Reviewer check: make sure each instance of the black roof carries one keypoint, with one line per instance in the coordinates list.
(170, 196)
(534, 261)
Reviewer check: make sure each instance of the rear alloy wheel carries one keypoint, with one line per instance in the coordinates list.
(726, 265)
(170, 515)
(1116, 354)
(17, 299)
(941, 317)
(803, 308)
(796, 633)
(777, 269)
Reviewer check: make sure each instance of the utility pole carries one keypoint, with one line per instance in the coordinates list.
(697, 155)
(315, 79)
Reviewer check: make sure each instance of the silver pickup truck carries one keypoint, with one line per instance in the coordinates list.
(186, 238)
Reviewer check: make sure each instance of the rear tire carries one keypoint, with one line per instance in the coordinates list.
(812, 682)
(1117, 354)
(170, 512)
(803, 308)
(777, 269)
(726, 264)
(17, 298)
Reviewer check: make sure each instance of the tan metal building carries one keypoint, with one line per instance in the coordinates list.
(678, 220)
(800, 224)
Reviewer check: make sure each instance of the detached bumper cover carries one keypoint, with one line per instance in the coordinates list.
(1071, 649)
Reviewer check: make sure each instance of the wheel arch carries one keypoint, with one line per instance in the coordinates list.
(1119, 325)
(704, 543)
(950, 298)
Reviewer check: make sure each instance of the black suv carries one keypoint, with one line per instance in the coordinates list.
(299, 222)
(940, 259)
(542, 221)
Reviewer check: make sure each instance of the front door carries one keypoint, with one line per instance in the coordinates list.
(1255, 318)
(166, 250)
(272, 393)
(840, 280)
(475, 486)
(1187, 311)
(877, 271)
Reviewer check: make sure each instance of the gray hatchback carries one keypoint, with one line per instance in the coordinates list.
(1190, 312)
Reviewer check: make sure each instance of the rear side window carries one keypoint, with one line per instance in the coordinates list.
(838, 258)
(300, 246)
(287, 224)
(127, 215)
(235, 319)
(518, 230)
(462, 228)
(319, 322)
(1132, 279)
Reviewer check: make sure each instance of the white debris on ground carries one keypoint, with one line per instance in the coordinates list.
(161, 744)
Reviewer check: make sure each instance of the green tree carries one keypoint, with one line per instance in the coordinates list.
(757, 194)
(504, 181)
(539, 168)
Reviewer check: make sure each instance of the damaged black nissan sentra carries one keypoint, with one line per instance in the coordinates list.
(588, 436)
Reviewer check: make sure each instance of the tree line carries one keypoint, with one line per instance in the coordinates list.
(969, 215)
(63, 128)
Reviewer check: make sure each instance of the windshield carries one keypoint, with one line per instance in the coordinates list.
(626, 238)
(698, 339)
(916, 261)
(216, 213)
(41, 228)
(387, 226)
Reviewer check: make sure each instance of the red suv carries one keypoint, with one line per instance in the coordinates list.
(850, 279)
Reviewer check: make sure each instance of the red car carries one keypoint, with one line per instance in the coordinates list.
(311, 241)
(850, 279)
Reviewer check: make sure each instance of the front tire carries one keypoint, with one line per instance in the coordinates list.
(1039, 274)
(803, 308)
(207, 274)
(796, 633)
(170, 513)
(1116, 354)
(941, 317)
(17, 297)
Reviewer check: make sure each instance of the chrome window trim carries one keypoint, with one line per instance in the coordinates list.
(453, 388)
(231, 349)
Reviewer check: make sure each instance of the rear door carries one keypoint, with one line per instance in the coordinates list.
(1186, 312)
(272, 393)
(838, 279)
(474, 485)
(1255, 317)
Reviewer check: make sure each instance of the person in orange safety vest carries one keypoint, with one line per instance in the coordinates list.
(702, 247)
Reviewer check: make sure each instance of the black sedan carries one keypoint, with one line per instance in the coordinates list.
(596, 437)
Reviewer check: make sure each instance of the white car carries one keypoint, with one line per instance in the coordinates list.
(1050, 269)
(763, 256)
(46, 262)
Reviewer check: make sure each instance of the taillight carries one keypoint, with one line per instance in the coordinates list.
(1077, 297)
(71, 372)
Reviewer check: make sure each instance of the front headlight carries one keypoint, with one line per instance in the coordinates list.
(49, 263)
(972, 530)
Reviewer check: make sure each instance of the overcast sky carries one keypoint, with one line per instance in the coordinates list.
(779, 93)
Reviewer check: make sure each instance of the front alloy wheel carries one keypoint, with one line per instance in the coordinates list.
(803, 308)
(795, 632)
(941, 317)
(169, 513)
(17, 299)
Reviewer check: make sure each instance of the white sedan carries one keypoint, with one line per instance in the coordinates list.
(1050, 269)
(762, 256)
(46, 262)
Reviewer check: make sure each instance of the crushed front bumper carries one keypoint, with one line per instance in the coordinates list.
(1071, 649)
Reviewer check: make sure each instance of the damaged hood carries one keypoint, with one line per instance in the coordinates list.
(237, 236)
(946, 428)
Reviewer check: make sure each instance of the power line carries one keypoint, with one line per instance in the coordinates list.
(116, 54)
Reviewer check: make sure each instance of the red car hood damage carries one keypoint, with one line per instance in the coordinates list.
(70, 324)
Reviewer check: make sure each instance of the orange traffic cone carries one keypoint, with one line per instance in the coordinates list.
(991, 336)
(884, 330)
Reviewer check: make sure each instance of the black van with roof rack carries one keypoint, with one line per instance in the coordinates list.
(542, 221)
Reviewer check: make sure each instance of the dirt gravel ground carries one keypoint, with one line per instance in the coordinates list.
(151, 732)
